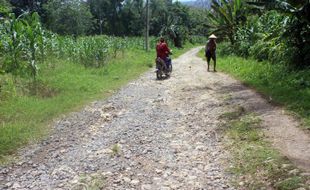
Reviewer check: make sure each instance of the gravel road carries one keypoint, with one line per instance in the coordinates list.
(149, 135)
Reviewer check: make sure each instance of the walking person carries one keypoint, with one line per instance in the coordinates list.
(210, 51)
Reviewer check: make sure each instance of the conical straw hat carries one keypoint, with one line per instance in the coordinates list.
(212, 36)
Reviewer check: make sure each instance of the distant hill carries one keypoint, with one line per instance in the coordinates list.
(205, 4)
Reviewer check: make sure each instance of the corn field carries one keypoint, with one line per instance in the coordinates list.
(25, 45)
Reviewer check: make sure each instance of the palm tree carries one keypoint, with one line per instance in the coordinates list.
(174, 24)
(225, 16)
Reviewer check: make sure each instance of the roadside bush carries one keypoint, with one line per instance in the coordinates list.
(298, 38)
(264, 38)
(224, 49)
(246, 36)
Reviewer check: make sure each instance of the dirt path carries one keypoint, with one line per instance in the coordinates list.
(150, 135)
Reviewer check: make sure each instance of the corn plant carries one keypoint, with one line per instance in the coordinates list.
(11, 44)
(22, 41)
(35, 44)
(24, 45)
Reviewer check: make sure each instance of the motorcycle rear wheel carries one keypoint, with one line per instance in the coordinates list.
(159, 75)
(170, 68)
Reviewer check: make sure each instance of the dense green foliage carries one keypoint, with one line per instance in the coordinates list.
(24, 45)
(26, 40)
(297, 30)
(4, 7)
(226, 17)
(275, 30)
(264, 43)
(278, 31)
(115, 17)
(68, 17)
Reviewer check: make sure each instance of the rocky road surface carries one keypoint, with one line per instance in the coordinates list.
(149, 135)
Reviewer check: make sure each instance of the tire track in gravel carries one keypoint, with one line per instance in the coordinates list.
(150, 135)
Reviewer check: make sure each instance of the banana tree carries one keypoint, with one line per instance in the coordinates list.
(298, 31)
(225, 16)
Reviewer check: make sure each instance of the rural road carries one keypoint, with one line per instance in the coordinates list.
(152, 135)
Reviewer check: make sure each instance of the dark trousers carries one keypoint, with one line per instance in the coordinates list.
(168, 61)
(211, 55)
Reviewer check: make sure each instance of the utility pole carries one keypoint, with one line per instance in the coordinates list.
(147, 30)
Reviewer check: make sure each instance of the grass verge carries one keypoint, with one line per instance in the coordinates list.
(66, 87)
(290, 88)
(256, 164)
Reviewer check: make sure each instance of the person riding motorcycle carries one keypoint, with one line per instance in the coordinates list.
(163, 51)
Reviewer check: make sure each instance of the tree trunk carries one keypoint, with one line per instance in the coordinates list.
(147, 45)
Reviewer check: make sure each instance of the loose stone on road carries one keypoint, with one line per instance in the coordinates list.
(150, 135)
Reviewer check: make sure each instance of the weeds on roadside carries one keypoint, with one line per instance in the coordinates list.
(255, 163)
(89, 182)
(234, 114)
(116, 150)
(282, 85)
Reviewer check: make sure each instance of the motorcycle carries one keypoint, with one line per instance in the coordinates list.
(163, 68)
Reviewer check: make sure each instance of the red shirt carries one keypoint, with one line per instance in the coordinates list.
(162, 50)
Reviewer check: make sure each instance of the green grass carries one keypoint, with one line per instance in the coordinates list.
(91, 181)
(290, 88)
(66, 87)
(256, 164)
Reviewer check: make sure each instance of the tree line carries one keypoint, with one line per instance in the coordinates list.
(273, 30)
(88, 32)
(114, 17)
